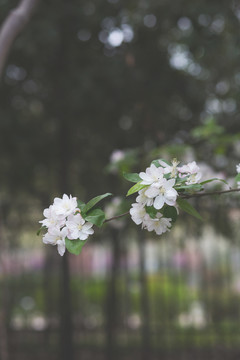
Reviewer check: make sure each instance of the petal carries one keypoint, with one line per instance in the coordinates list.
(83, 236)
(158, 202)
(151, 192)
(170, 202)
(145, 177)
(170, 183)
(61, 247)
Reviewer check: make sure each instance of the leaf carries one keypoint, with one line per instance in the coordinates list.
(81, 205)
(170, 212)
(94, 201)
(151, 211)
(237, 178)
(40, 230)
(133, 177)
(190, 188)
(156, 162)
(96, 217)
(75, 246)
(214, 179)
(135, 188)
(186, 206)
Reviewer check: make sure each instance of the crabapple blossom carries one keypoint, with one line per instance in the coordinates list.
(51, 218)
(65, 206)
(192, 171)
(138, 213)
(78, 228)
(156, 207)
(162, 193)
(168, 169)
(56, 236)
(143, 198)
(160, 224)
(64, 220)
(153, 175)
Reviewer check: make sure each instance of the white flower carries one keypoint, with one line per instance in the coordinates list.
(77, 228)
(168, 169)
(164, 193)
(160, 224)
(51, 218)
(153, 175)
(192, 171)
(238, 168)
(143, 199)
(138, 213)
(56, 236)
(65, 206)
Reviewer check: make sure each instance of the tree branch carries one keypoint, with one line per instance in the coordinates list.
(212, 193)
(209, 193)
(12, 26)
(117, 216)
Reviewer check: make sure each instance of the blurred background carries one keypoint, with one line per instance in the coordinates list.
(91, 89)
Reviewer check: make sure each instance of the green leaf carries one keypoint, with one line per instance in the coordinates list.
(170, 212)
(151, 211)
(237, 178)
(133, 177)
(214, 179)
(94, 201)
(81, 205)
(135, 188)
(96, 217)
(156, 162)
(40, 230)
(186, 206)
(190, 188)
(75, 246)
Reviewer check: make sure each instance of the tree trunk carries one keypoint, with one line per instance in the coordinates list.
(112, 298)
(144, 299)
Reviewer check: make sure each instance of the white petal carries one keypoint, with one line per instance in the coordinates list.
(158, 202)
(170, 183)
(151, 192)
(61, 247)
(83, 236)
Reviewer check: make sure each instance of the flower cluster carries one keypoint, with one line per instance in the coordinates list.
(63, 220)
(158, 192)
(162, 190)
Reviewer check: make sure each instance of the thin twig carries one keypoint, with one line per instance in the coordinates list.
(185, 197)
(209, 193)
(117, 217)
(12, 26)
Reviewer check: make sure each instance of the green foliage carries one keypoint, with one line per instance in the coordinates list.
(190, 188)
(93, 202)
(156, 162)
(151, 211)
(209, 129)
(135, 188)
(237, 178)
(81, 204)
(133, 177)
(42, 228)
(74, 246)
(188, 208)
(170, 212)
(96, 217)
(214, 179)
